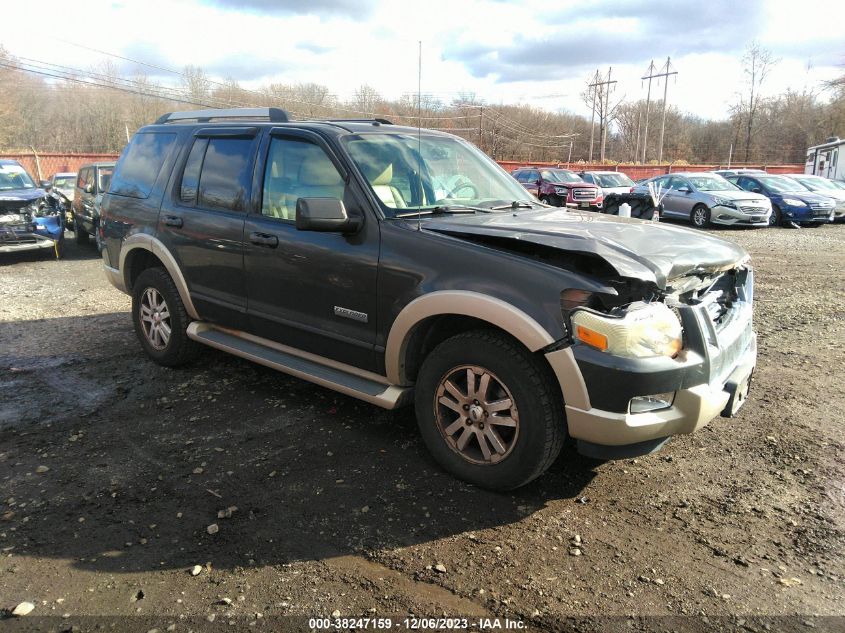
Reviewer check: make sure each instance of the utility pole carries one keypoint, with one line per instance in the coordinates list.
(569, 160)
(637, 145)
(665, 74)
(649, 76)
(604, 120)
(594, 86)
(481, 128)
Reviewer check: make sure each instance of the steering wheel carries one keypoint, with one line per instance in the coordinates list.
(464, 185)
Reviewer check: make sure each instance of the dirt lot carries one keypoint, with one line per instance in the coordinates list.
(112, 468)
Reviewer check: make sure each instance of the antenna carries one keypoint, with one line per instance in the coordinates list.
(419, 133)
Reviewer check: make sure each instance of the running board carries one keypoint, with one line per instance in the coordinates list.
(346, 379)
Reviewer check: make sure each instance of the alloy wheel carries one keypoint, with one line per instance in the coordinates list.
(155, 319)
(476, 414)
(699, 216)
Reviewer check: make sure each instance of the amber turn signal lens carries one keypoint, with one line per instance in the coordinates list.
(591, 337)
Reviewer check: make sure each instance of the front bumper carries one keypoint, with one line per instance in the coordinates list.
(731, 216)
(807, 215)
(24, 242)
(709, 377)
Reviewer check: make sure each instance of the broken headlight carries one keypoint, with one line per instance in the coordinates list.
(644, 330)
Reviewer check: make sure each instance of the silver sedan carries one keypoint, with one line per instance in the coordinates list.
(706, 198)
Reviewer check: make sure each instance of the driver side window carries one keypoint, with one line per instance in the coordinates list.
(297, 169)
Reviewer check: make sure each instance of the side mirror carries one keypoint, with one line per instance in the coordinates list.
(539, 182)
(326, 215)
(46, 185)
(684, 190)
(756, 190)
(89, 188)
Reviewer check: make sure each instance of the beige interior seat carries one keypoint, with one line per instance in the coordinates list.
(275, 200)
(318, 178)
(387, 193)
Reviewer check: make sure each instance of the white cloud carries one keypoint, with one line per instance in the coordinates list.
(488, 48)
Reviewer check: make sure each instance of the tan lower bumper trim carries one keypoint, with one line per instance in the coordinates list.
(692, 409)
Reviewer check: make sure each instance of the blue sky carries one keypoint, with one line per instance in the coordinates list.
(535, 52)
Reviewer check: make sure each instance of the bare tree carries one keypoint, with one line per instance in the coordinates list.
(196, 84)
(757, 62)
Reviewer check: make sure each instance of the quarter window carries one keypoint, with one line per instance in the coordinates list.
(297, 169)
(138, 168)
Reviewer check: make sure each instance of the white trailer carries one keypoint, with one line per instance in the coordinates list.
(823, 160)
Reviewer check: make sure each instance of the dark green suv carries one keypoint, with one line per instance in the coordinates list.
(399, 265)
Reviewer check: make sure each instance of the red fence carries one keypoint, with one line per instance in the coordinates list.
(636, 172)
(43, 166)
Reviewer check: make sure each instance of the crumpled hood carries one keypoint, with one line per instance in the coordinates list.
(13, 200)
(638, 249)
(22, 195)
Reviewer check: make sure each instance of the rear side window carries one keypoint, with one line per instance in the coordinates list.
(218, 174)
(138, 167)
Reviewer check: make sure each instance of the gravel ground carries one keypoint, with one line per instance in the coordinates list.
(113, 469)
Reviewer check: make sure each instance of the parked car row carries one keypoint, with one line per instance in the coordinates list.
(35, 217)
(728, 197)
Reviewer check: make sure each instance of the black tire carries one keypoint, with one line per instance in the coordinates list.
(80, 233)
(178, 349)
(700, 216)
(776, 219)
(536, 439)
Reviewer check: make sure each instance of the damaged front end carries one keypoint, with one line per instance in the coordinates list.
(36, 225)
(663, 366)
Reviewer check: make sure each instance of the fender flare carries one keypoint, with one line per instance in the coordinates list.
(149, 243)
(464, 303)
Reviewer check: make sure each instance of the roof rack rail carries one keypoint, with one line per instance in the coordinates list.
(382, 121)
(274, 115)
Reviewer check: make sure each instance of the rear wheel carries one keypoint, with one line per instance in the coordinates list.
(701, 216)
(80, 233)
(489, 410)
(161, 320)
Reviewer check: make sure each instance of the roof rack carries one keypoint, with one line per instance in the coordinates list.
(274, 115)
(382, 121)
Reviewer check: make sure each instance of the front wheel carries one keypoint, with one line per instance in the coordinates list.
(160, 319)
(701, 216)
(489, 411)
(775, 219)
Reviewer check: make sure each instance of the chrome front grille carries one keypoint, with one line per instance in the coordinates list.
(584, 194)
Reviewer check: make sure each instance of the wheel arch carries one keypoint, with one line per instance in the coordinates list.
(432, 318)
(142, 251)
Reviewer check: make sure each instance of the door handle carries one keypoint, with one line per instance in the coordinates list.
(263, 239)
(172, 220)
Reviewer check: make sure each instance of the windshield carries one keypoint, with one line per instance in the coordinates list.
(409, 174)
(613, 180)
(560, 175)
(14, 177)
(780, 184)
(816, 183)
(711, 183)
(64, 182)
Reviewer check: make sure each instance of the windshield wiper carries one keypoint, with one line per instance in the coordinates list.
(440, 210)
(516, 204)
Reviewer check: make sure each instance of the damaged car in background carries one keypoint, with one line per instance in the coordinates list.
(31, 217)
(510, 325)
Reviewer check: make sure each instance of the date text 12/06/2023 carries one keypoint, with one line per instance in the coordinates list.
(417, 624)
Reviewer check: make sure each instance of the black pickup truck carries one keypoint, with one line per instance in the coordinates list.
(398, 265)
